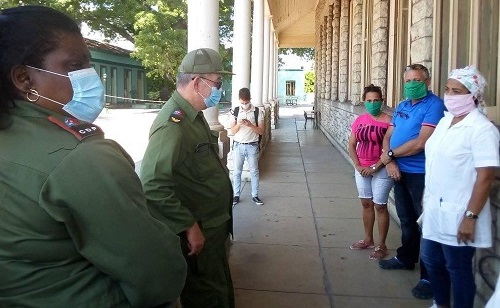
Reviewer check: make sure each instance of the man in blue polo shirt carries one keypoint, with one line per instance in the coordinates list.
(412, 124)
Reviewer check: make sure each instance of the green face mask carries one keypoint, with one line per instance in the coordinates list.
(374, 108)
(415, 89)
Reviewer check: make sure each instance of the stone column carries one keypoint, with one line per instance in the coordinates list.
(379, 43)
(270, 95)
(344, 50)
(241, 58)
(421, 32)
(203, 32)
(356, 54)
(329, 32)
(266, 62)
(257, 52)
(241, 48)
(335, 50)
(324, 57)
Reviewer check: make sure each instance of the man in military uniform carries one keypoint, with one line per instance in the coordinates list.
(186, 185)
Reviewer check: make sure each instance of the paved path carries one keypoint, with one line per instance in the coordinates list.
(294, 250)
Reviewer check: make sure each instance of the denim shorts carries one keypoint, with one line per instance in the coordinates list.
(376, 186)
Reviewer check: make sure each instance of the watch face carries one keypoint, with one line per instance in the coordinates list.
(470, 214)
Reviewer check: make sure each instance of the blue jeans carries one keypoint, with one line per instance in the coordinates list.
(251, 153)
(450, 266)
(408, 193)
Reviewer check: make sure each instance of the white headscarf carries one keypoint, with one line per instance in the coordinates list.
(472, 79)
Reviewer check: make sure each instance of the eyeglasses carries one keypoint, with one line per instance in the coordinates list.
(217, 83)
(404, 115)
(418, 67)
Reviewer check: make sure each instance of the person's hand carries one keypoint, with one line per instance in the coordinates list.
(384, 158)
(466, 231)
(393, 171)
(196, 240)
(360, 169)
(246, 122)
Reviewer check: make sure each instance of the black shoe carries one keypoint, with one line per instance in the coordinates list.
(257, 201)
(422, 290)
(394, 264)
(236, 199)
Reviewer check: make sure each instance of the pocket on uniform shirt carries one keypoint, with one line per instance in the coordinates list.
(449, 217)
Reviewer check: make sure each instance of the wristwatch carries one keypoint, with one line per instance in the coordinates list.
(470, 215)
(390, 153)
(374, 168)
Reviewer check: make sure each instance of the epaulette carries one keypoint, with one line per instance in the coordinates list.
(176, 116)
(79, 129)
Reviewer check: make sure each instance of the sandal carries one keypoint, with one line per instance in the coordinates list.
(361, 244)
(378, 253)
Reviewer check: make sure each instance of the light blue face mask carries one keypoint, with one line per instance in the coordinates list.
(88, 94)
(214, 98)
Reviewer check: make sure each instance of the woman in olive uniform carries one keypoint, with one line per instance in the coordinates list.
(75, 230)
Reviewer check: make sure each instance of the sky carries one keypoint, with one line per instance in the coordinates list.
(98, 36)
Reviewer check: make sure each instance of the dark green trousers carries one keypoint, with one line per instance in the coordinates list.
(208, 282)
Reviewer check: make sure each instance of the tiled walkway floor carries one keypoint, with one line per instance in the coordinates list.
(294, 250)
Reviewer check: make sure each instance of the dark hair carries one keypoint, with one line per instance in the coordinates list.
(418, 67)
(371, 88)
(244, 94)
(27, 35)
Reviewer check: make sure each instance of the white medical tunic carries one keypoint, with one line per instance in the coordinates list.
(452, 156)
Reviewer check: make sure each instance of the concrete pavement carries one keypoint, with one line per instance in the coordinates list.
(294, 250)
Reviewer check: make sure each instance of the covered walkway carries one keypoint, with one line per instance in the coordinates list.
(294, 250)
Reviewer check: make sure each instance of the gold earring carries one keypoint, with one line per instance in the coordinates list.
(35, 93)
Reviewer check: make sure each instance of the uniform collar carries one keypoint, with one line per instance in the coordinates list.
(188, 109)
(25, 108)
(423, 100)
(469, 119)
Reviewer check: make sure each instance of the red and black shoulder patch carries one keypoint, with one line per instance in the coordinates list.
(176, 116)
(77, 128)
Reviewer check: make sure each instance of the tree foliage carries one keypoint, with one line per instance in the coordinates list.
(157, 28)
(306, 54)
(309, 82)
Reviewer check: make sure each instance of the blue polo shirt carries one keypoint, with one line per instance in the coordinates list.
(407, 120)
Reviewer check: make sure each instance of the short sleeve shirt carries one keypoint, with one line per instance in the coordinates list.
(369, 136)
(453, 154)
(246, 134)
(407, 120)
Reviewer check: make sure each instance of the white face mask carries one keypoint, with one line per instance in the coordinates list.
(88, 94)
(246, 106)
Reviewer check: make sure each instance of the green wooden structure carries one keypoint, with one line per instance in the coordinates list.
(124, 78)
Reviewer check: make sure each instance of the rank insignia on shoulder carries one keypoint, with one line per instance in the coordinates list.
(79, 129)
(176, 116)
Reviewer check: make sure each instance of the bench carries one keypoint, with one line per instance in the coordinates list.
(291, 100)
(311, 115)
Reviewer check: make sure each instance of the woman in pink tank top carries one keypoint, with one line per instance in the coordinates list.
(372, 181)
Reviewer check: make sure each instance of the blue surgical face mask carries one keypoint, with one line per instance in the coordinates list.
(214, 98)
(88, 94)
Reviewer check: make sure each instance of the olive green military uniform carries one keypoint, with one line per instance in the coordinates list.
(185, 182)
(75, 230)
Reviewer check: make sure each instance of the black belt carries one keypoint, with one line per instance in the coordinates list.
(255, 142)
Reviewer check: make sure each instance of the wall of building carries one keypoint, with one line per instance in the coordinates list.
(296, 75)
(115, 67)
(360, 42)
